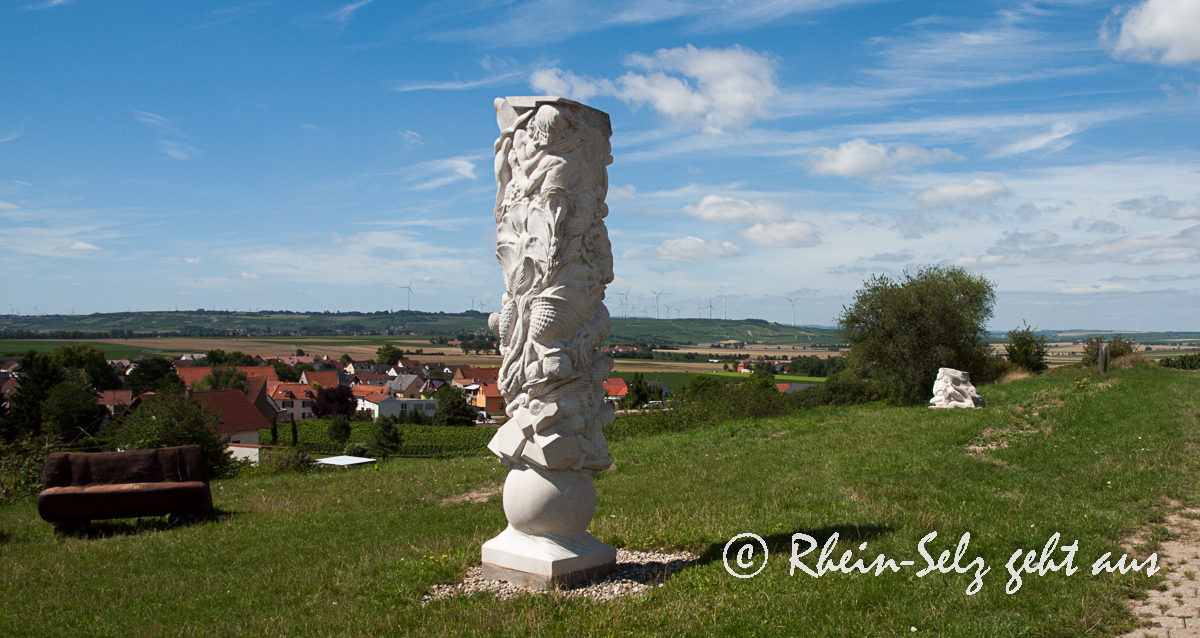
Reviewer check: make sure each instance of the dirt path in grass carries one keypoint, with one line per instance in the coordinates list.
(1174, 611)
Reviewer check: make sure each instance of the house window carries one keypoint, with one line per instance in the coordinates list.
(287, 404)
(308, 404)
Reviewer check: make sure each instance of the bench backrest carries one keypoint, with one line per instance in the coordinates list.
(167, 464)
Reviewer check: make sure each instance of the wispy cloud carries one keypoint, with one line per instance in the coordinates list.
(1161, 207)
(47, 4)
(404, 86)
(171, 140)
(9, 137)
(1054, 139)
(720, 208)
(436, 173)
(344, 14)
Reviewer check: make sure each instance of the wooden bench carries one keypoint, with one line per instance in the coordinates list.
(80, 487)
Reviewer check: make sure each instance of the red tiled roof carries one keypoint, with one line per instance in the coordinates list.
(234, 411)
(114, 397)
(782, 387)
(293, 392)
(364, 390)
(489, 389)
(191, 375)
(478, 374)
(372, 377)
(324, 378)
(376, 397)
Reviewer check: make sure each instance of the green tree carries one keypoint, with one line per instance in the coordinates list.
(1027, 349)
(1119, 346)
(638, 393)
(336, 400)
(388, 354)
(153, 375)
(39, 376)
(1091, 351)
(384, 436)
(90, 359)
(452, 408)
(339, 429)
(901, 331)
(171, 419)
(762, 369)
(285, 372)
(345, 359)
(221, 358)
(70, 409)
(222, 378)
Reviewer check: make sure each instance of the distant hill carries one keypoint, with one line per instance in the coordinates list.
(200, 323)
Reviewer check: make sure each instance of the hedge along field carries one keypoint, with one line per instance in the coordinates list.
(430, 441)
(352, 552)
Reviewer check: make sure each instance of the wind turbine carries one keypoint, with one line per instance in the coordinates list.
(668, 311)
(724, 306)
(710, 307)
(625, 304)
(410, 292)
(656, 293)
(793, 308)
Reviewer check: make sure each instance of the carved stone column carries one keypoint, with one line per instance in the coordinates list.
(553, 249)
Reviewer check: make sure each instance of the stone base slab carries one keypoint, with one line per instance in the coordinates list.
(546, 562)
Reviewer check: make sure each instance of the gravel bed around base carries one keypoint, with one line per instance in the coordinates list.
(635, 573)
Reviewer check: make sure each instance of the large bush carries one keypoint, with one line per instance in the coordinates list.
(171, 419)
(1027, 349)
(1183, 362)
(901, 331)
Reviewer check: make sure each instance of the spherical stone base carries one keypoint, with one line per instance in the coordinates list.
(549, 502)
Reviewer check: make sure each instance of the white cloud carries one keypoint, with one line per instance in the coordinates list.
(191, 260)
(405, 86)
(412, 138)
(978, 192)
(1152, 247)
(860, 158)
(1164, 31)
(436, 173)
(176, 149)
(83, 246)
(8, 206)
(1160, 207)
(719, 208)
(622, 193)
(1054, 139)
(47, 4)
(690, 249)
(8, 138)
(555, 81)
(346, 12)
(248, 275)
(718, 89)
(794, 234)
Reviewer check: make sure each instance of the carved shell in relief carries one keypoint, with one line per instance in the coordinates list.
(552, 317)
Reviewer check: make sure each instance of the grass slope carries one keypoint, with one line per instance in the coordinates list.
(353, 551)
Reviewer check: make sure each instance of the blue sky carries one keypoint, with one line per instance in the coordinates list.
(323, 155)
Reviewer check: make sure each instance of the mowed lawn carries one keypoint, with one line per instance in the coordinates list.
(352, 552)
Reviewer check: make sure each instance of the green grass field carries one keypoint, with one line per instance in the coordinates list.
(112, 351)
(353, 552)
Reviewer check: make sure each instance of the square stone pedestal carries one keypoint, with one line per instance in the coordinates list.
(546, 562)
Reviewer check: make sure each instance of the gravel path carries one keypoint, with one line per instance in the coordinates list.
(1175, 611)
(635, 573)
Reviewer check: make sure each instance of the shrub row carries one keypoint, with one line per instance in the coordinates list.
(415, 440)
(1183, 362)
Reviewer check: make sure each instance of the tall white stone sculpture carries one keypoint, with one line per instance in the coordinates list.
(953, 389)
(553, 249)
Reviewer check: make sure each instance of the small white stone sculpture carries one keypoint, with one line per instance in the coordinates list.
(553, 249)
(953, 389)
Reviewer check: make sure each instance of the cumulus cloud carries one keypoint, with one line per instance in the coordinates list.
(793, 234)
(719, 208)
(718, 89)
(1095, 225)
(83, 246)
(977, 192)
(691, 249)
(860, 158)
(1162, 31)
(1160, 207)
